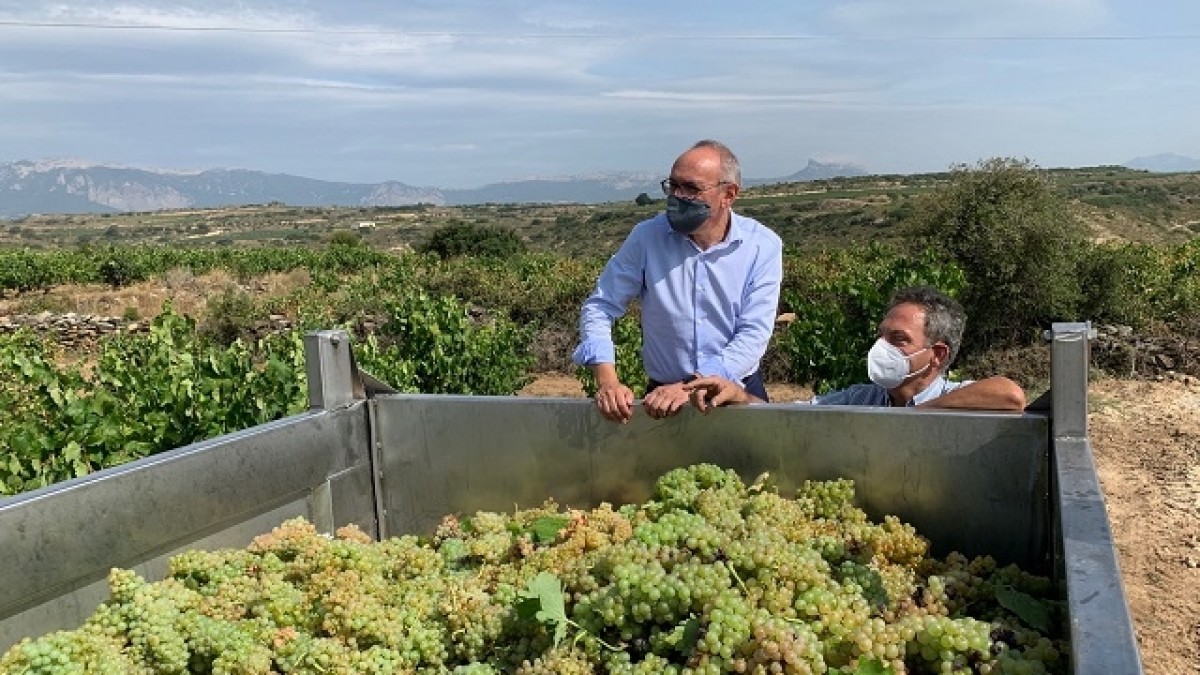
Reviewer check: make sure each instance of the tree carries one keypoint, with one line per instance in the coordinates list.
(344, 238)
(460, 238)
(1018, 243)
(644, 199)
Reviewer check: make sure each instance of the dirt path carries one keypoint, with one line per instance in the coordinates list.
(1146, 438)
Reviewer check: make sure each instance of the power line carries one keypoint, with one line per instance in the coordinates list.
(730, 37)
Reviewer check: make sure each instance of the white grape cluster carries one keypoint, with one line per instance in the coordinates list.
(708, 576)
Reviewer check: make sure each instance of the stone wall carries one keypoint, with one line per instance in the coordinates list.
(71, 330)
(1124, 353)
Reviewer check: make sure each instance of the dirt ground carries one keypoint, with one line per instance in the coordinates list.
(1146, 438)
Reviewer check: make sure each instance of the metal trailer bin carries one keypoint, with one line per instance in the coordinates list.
(1019, 486)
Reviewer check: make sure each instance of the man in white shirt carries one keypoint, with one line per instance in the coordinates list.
(918, 340)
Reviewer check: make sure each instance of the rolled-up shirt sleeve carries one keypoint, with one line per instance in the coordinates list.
(619, 283)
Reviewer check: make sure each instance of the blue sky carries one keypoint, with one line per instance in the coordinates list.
(455, 93)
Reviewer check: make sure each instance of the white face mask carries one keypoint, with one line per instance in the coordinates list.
(887, 366)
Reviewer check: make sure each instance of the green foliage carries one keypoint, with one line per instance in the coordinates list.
(1126, 284)
(145, 394)
(386, 364)
(345, 238)
(229, 316)
(530, 289)
(451, 351)
(1017, 242)
(458, 239)
(839, 298)
(1032, 611)
(26, 270)
(627, 337)
(1139, 284)
(543, 601)
(119, 270)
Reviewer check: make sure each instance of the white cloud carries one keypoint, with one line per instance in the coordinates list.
(513, 85)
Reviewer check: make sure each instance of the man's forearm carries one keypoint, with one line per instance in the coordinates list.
(605, 374)
(993, 393)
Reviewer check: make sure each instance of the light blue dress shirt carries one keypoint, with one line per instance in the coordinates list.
(872, 394)
(709, 312)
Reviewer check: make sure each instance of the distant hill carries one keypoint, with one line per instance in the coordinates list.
(1165, 163)
(71, 187)
(65, 186)
(821, 171)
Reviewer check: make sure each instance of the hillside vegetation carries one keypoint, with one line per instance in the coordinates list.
(1115, 203)
(458, 301)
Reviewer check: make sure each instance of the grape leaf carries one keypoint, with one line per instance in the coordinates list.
(545, 529)
(1034, 612)
(691, 634)
(544, 599)
(872, 667)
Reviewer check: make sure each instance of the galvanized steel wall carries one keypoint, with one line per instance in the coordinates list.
(973, 482)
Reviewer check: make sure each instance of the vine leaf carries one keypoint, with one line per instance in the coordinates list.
(545, 529)
(872, 667)
(543, 601)
(1034, 612)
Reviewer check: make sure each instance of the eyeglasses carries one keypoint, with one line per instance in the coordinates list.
(686, 190)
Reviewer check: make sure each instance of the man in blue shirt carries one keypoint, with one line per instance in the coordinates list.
(708, 283)
(918, 340)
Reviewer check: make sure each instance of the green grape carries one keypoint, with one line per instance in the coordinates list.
(709, 576)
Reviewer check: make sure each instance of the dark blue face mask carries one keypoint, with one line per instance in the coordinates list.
(686, 215)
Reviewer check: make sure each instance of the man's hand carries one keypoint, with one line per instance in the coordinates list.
(713, 390)
(613, 399)
(615, 402)
(665, 401)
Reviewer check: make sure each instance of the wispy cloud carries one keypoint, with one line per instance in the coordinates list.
(513, 85)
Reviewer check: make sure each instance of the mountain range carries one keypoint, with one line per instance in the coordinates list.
(1165, 163)
(72, 186)
(66, 186)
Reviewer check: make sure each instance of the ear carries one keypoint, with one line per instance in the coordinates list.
(941, 351)
(732, 190)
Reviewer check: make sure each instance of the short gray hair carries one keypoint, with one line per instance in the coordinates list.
(731, 171)
(945, 319)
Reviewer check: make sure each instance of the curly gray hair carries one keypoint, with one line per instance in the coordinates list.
(945, 319)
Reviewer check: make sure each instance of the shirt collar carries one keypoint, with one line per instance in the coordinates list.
(737, 228)
(931, 392)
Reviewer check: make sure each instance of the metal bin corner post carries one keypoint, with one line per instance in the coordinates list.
(1101, 630)
(329, 365)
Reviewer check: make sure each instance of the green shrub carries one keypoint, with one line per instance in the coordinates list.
(146, 393)
(121, 268)
(1125, 284)
(452, 352)
(839, 298)
(229, 316)
(345, 238)
(627, 338)
(460, 238)
(1018, 244)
